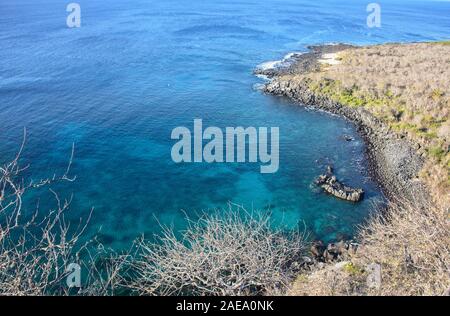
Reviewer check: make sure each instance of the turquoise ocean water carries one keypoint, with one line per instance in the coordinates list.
(117, 86)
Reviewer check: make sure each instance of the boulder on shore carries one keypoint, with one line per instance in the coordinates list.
(330, 184)
(333, 251)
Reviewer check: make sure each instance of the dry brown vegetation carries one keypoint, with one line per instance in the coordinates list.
(38, 247)
(407, 86)
(412, 247)
(34, 251)
(223, 253)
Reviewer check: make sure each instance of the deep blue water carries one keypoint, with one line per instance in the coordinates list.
(136, 69)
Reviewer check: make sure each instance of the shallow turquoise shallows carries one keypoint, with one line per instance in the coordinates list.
(136, 69)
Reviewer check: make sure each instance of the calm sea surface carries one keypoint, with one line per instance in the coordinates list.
(117, 86)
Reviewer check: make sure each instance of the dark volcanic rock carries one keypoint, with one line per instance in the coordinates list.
(317, 249)
(300, 63)
(347, 138)
(332, 251)
(330, 184)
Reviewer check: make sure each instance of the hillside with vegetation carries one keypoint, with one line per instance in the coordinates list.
(399, 97)
(405, 86)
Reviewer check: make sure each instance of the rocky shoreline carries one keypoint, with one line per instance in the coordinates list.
(393, 160)
(402, 115)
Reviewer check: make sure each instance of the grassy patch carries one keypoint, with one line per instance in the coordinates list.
(301, 278)
(351, 96)
(441, 42)
(437, 94)
(352, 269)
(437, 152)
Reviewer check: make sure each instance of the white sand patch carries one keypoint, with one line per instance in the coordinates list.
(330, 59)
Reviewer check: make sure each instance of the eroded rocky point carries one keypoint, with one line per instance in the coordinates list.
(332, 251)
(331, 185)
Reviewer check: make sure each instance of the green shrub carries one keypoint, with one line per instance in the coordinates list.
(437, 152)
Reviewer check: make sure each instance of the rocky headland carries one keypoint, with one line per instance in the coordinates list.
(398, 96)
(397, 151)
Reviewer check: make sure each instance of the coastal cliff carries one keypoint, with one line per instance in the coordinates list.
(407, 144)
(398, 96)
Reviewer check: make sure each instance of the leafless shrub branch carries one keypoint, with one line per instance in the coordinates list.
(232, 252)
(34, 250)
(411, 244)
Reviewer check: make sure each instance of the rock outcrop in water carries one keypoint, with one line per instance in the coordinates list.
(393, 160)
(331, 185)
